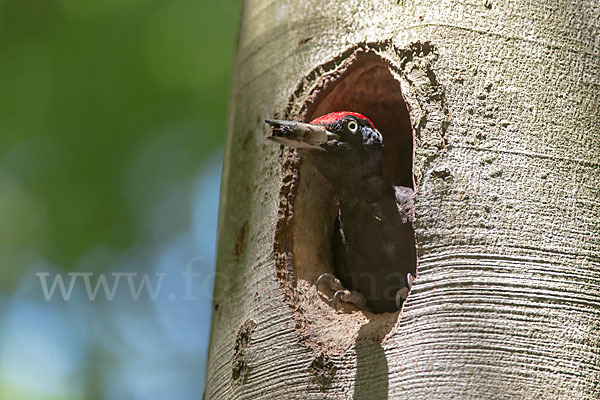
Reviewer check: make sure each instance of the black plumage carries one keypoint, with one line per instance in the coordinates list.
(373, 245)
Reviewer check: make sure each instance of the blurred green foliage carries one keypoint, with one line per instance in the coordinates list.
(112, 121)
(104, 105)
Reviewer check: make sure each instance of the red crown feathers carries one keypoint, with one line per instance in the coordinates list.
(336, 116)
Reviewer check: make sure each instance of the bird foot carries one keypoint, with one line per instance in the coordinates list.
(349, 296)
(357, 298)
(341, 293)
(402, 294)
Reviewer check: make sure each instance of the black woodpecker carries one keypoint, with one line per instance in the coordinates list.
(374, 243)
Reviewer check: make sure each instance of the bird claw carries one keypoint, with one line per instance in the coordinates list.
(409, 280)
(402, 294)
(331, 281)
(341, 293)
(349, 296)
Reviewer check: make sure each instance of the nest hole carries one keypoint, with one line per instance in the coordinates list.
(368, 86)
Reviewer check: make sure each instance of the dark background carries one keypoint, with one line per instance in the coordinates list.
(112, 123)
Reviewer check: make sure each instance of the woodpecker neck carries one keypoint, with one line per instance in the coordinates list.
(347, 170)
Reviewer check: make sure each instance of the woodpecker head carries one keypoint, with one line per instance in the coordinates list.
(342, 144)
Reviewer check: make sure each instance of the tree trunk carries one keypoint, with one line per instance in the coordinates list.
(501, 101)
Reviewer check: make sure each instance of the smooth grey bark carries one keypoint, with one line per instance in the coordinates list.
(507, 299)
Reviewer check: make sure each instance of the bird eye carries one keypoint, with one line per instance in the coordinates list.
(352, 126)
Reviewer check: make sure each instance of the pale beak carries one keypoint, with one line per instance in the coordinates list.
(299, 134)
